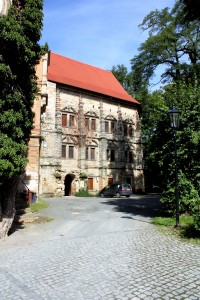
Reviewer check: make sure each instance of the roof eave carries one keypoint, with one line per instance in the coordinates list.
(89, 92)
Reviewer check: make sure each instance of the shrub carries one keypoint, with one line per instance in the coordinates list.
(83, 193)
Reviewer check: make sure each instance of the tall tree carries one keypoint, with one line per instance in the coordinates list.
(124, 77)
(192, 9)
(172, 44)
(20, 32)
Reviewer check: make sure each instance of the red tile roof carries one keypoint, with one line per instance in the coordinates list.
(74, 73)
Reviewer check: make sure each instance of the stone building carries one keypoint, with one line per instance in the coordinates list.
(4, 6)
(86, 130)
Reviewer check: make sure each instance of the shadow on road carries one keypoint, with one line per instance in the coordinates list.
(142, 205)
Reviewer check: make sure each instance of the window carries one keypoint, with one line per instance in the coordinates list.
(64, 120)
(87, 123)
(112, 155)
(130, 130)
(63, 151)
(110, 180)
(71, 121)
(108, 154)
(125, 130)
(71, 152)
(86, 153)
(90, 153)
(112, 125)
(109, 126)
(90, 124)
(92, 156)
(93, 124)
(106, 126)
(130, 157)
(126, 156)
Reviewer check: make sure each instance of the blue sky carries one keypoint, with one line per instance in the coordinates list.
(102, 33)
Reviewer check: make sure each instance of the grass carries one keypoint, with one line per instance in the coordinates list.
(186, 231)
(35, 207)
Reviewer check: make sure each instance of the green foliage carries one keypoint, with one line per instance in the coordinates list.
(35, 207)
(187, 230)
(172, 43)
(191, 9)
(83, 193)
(20, 32)
(190, 199)
(13, 156)
(197, 220)
(185, 220)
(124, 77)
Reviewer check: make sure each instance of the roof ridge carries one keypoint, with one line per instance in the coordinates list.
(68, 71)
(80, 62)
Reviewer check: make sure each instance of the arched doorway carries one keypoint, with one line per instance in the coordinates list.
(68, 184)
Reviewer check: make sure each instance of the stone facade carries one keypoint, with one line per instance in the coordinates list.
(4, 6)
(82, 139)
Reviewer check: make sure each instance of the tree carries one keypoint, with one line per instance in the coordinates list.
(124, 77)
(20, 31)
(160, 148)
(172, 43)
(192, 9)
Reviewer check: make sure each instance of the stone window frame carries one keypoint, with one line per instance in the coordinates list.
(129, 156)
(67, 142)
(90, 153)
(129, 153)
(110, 123)
(68, 151)
(69, 117)
(112, 152)
(128, 127)
(91, 123)
(91, 146)
(64, 151)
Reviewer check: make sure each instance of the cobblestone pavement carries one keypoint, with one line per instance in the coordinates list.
(98, 249)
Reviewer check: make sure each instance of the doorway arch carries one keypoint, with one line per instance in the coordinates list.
(68, 184)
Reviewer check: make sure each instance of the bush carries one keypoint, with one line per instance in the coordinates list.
(83, 193)
(35, 207)
(189, 199)
(197, 221)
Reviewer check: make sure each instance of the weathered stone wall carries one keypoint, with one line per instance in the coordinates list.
(48, 172)
(54, 168)
(31, 178)
(4, 6)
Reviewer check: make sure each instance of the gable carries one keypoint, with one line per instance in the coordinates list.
(70, 72)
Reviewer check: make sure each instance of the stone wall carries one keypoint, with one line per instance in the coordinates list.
(85, 170)
(81, 140)
(4, 6)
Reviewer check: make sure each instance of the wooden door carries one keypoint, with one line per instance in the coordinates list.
(90, 183)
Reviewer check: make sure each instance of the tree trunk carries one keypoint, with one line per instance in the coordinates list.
(7, 205)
